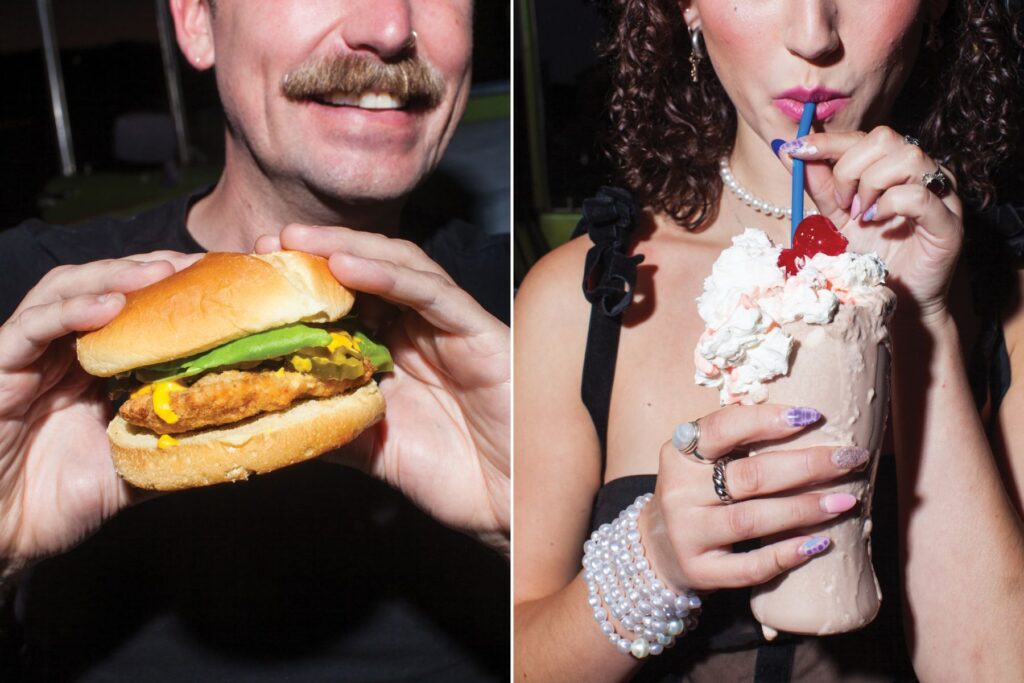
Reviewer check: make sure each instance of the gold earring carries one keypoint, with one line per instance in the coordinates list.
(696, 53)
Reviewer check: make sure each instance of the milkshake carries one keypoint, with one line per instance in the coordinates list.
(806, 327)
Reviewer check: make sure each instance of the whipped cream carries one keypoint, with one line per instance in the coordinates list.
(747, 299)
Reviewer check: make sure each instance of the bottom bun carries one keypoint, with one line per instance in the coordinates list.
(257, 445)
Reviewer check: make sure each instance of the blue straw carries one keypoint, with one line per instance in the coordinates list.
(798, 172)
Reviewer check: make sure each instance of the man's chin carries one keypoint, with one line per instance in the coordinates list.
(365, 188)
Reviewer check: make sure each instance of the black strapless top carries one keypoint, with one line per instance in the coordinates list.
(878, 651)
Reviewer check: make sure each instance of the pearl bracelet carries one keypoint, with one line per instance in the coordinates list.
(621, 584)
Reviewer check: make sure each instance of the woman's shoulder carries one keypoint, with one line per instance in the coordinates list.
(551, 297)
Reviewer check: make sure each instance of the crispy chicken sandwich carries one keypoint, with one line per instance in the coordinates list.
(238, 364)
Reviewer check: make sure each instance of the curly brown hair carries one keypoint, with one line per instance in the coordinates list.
(963, 102)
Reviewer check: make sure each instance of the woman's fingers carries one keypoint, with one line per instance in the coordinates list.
(722, 431)
(832, 192)
(739, 570)
(27, 334)
(906, 166)
(920, 205)
(769, 473)
(725, 525)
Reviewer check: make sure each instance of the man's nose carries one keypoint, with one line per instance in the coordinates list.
(811, 30)
(383, 27)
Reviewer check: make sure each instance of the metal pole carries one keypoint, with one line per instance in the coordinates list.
(534, 106)
(55, 77)
(169, 55)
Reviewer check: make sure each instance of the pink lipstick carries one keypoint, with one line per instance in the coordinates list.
(829, 102)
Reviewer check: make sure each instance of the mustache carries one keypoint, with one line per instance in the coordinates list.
(411, 81)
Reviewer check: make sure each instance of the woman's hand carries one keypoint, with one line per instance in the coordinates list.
(870, 185)
(689, 532)
(445, 439)
(57, 483)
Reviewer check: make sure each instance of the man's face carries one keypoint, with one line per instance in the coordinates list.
(351, 151)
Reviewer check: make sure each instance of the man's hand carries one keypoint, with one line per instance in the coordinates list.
(57, 483)
(445, 440)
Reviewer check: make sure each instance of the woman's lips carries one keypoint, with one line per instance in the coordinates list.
(829, 102)
(824, 110)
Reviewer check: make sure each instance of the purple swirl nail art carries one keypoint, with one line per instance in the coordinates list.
(815, 545)
(801, 417)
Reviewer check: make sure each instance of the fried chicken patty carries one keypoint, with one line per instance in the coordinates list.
(224, 397)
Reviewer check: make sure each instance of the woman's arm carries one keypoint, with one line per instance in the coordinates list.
(557, 474)
(687, 531)
(963, 555)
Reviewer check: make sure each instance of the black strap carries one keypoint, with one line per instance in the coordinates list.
(599, 373)
(608, 282)
(775, 662)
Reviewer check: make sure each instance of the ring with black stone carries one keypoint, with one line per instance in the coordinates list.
(937, 182)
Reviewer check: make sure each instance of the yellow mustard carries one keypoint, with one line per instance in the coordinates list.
(166, 441)
(143, 391)
(162, 400)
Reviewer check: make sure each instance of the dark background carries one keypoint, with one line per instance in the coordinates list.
(111, 61)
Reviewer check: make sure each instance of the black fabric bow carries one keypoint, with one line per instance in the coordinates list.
(609, 276)
(1008, 221)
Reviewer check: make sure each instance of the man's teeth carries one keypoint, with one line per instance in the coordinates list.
(364, 101)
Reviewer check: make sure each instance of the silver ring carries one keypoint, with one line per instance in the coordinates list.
(411, 43)
(937, 182)
(685, 438)
(718, 479)
(911, 140)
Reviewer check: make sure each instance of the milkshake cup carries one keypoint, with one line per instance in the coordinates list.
(841, 369)
(817, 336)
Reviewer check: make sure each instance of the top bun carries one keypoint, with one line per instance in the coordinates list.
(220, 298)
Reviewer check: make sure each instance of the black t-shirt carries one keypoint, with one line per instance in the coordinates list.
(312, 573)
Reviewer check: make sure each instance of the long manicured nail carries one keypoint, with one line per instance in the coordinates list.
(798, 146)
(815, 545)
(869, 215)
(837, 502)
(855, 207)
(776, 143)
(801, 417)
(849, 457)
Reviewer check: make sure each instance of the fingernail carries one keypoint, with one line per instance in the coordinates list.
(815, 545)
(801, 417)
(869, 215)
(855, 207)
(849, 457)
(109, 296)
(776, 143)
(798, 146)
(837, 502)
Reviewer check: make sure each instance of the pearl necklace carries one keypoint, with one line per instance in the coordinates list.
(756, 203)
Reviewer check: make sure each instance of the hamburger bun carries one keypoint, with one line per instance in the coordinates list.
(220, 298)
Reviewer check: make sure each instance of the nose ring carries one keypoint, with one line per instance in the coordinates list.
(411, 43)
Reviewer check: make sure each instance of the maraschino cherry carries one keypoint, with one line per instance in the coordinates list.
(815, 235)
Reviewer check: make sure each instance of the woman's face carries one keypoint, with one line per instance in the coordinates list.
(852, 57)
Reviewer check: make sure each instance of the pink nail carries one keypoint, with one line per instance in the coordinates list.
(855, 207)
(837, 502)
